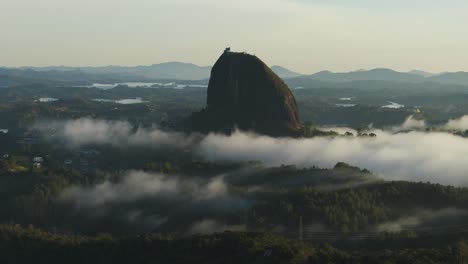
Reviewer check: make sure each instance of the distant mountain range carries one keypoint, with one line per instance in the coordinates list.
(285, 73)
(459, 78)
(167, 70)
(371, 75)
(112, 74)
(422, 73)
(189, 71)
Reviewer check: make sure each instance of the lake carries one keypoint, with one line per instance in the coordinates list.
(173, 85)
(47, 99)
(393, 105)
(345, 105)
(121, 101)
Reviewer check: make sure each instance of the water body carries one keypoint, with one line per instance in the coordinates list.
(345, 105)
(131, 101)
(393, 105)
(173, 85)
(47, 99)
(103, 100)
(122, 101)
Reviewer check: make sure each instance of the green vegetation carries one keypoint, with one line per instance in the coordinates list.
(348, 214)
(27, 245)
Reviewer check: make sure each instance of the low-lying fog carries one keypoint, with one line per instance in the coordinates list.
(407, 152)
(414, 155)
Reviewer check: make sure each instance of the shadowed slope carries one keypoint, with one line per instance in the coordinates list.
(245, 93)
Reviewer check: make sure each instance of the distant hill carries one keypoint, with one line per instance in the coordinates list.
(190, 71)
(284, 73)
(460, 78)
(168, 70)
(26, 76)
(370, 75)
(14, 77)
(422, 73)
(415, 76)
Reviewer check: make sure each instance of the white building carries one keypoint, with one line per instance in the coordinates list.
(38, 159)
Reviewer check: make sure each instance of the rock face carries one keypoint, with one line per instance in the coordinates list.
(245, 93)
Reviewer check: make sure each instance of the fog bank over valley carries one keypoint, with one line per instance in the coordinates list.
(407, 152)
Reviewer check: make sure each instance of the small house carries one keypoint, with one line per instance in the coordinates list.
(38, 159)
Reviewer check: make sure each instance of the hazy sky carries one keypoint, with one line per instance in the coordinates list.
(303, 35)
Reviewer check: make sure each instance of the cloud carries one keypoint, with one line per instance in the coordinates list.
(437, 157)
(140, 202)
(147, 199)
(412, 123)
(209, 226)
(138, 185)
(460, 124)
(403, 223)
(416, 156)
(419, 218)
(86, 131)
(138, 218)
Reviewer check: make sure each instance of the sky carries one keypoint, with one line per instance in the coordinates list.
(303, 35)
